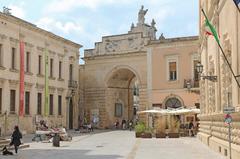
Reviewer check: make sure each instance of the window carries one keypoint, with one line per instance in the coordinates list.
(51, 105)
(13, 65)
(60, 70)
(51, 67)
(0, 100)
(39, 103)
(28, 62)
(59, 105)
(172, 71)
(27, 103)
(173, 103)
(195, 73)
(118, 110)
(70, 72)
(39, 64)
(12, 100)
(1, 55)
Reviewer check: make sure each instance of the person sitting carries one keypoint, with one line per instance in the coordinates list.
(116, 124)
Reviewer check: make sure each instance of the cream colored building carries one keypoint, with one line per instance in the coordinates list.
(130, 72)
(172, 77)
(225, 17)
(63, 76)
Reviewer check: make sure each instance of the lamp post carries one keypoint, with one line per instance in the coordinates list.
(199, 68)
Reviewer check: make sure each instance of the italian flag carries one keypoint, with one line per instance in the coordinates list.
(210, 30)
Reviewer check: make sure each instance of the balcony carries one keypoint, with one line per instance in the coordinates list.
(194, 83)
(72, 84)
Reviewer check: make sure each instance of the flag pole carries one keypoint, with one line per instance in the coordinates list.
(225, 57)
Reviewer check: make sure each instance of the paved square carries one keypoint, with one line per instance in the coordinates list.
(118, 145)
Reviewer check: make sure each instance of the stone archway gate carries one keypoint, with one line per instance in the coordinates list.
(114, 53)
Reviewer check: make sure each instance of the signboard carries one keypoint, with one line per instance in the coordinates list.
(228, 118)
(229, 110)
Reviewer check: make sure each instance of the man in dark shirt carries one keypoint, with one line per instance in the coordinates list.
(190, 127)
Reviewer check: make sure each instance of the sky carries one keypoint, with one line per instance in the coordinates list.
(86, 21)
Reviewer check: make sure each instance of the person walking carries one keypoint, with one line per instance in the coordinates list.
(191, 127)
(16, 138)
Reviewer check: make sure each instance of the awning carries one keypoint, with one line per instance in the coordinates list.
(179, 111)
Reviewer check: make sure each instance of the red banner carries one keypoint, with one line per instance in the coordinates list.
(21, 99)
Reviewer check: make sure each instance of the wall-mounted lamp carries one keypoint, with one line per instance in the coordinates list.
(199, 68)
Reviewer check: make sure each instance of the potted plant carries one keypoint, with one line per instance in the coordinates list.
(139, 129)
(160, 134)
(147, 133)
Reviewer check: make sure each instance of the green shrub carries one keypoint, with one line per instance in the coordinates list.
(140, 128)
(148, 130)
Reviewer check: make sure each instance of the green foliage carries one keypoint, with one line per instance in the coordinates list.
(140, 127)
(148, 130)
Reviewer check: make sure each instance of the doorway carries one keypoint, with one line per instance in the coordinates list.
(70, 114)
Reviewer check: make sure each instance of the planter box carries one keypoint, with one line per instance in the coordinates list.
(160, 135)
(146, 135)
(138, 135)
(173, 135)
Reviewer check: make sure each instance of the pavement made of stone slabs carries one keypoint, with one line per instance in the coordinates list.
(117, 145)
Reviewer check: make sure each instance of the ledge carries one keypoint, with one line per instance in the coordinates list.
(14, 70)
(2, 68)
(60, 79)
(52, 78)
(40, 75)
(29, 73)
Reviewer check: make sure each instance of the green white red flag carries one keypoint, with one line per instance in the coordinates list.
(210, 30)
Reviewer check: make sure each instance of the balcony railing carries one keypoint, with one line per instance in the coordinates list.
(72, 84)
(194, 83)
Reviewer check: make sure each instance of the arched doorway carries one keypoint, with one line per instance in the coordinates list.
(122, 95)
(172, 121)
(70, 114)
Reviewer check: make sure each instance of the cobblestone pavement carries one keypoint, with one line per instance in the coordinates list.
(117, 145)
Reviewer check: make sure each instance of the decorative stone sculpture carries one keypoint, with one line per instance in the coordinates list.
(141, 15)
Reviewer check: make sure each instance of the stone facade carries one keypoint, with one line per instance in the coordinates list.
(217, 95)
(121, 64)
(182, 90)
(36, 40)
(111, 71)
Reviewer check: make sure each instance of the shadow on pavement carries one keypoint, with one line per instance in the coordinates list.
(59, 154)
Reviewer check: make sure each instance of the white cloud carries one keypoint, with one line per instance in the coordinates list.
(17, 11)
(51, 24)
(63, 6)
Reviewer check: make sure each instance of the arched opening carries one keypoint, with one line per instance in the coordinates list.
(171, 122)
(173, 103)
(122, 96)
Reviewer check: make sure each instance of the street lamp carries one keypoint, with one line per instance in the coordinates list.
(199, 68)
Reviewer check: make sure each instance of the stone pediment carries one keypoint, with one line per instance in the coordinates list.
(119, 44)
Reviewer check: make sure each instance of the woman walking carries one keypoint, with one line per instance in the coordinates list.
(16, 138)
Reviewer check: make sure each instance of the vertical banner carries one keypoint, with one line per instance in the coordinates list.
(21, 93)
(46, 104)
